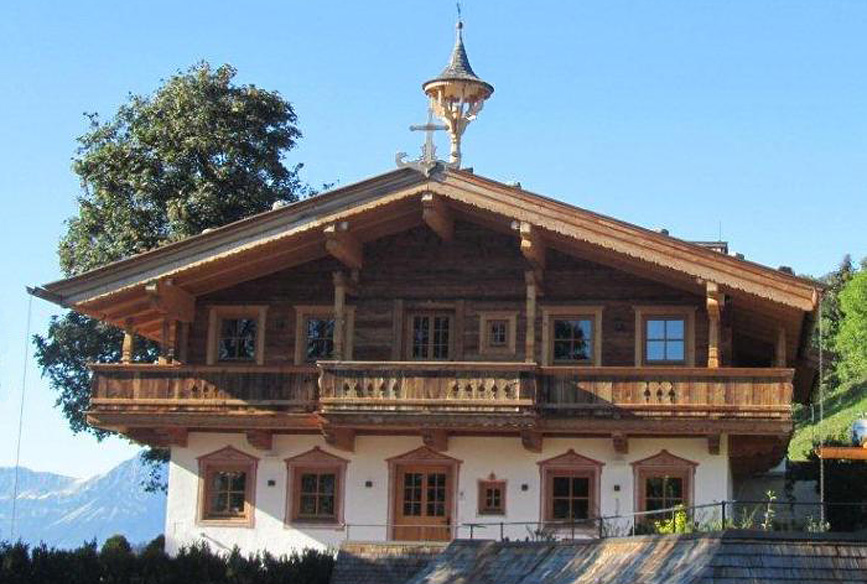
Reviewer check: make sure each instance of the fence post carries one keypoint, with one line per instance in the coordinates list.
(472, 526)
(501, 531)
(572, 530)
(723, 515)
(601, 530)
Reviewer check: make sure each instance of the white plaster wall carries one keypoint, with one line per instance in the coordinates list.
(480, 456)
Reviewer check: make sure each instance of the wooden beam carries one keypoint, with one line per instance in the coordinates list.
(621, 442)
(530, 335)
(343, 245)
(531, 440)
(397, 330)
(438, 216)
(128, 348)
(713, 442)
(340, 285)
(780, 348)
(435, 439)
(532, 246)
(340, 438)
(260, 439)
(714, 307)
(171, 301)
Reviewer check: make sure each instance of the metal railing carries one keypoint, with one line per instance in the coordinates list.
(762, 515)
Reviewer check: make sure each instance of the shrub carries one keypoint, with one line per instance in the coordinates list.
(117, 563)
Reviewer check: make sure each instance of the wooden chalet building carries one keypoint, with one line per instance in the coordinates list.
(425, 349)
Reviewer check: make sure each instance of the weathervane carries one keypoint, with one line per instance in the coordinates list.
(428, 158)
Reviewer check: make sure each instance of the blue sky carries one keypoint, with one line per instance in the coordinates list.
(690, 115)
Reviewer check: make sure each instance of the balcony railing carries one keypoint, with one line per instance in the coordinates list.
(198, 387)
(729, 392)
(396, 386)
(479, 387)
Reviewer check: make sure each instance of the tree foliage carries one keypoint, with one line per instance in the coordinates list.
(851, 340)
(199, 152)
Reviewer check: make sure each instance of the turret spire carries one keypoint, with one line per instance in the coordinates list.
(457, 94)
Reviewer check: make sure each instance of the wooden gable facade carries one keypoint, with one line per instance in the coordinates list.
(439, 298)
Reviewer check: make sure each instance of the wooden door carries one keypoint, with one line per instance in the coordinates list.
(423, 502)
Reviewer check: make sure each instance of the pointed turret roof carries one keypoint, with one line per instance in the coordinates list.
(459, 64)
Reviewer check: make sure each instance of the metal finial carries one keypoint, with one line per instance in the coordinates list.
(460, 20)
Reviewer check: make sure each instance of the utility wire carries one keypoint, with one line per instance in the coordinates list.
(20, 419)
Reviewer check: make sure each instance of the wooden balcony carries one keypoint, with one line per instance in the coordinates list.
(666, 392)
(453, 396)
(201, 388)
(427, 386)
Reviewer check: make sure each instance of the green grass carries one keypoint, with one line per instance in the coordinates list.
(842, 406)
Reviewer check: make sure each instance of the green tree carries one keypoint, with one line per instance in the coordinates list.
(199, 152)
(851, 340)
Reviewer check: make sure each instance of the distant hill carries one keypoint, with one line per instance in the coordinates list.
(843, 405)
(64, 512)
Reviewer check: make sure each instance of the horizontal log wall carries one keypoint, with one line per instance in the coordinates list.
(481, 268)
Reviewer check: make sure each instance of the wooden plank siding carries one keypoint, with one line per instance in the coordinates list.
(481, 268)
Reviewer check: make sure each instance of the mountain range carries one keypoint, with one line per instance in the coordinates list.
(64, 511)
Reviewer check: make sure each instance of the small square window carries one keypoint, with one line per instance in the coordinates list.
(492, 498)
(320, 338)
(573, 340)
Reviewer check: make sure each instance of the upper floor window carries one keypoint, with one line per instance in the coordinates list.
(314, 333)
(571, 335)
(665, 339)
(227, 487)
(431, 335)
(237, 339)
(497, 333)
(665, 335)
(236, 333)
(320, 338)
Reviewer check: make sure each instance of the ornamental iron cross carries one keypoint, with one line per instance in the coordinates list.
(429, 151)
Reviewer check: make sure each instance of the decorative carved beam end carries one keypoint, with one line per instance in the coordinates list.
(531, 440)
(340, 438)
(438, 216)
(436, 439)
(261, 439)
(343, 245)
(621, 443)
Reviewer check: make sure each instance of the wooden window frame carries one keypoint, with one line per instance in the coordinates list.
(569, 464)
(302, 313)
(216, 315)
(660, 464)
(484, 484)
(227, 459)
(511, 319)
(552, 313)
(645, 313)
(316, 461)
(432, 313)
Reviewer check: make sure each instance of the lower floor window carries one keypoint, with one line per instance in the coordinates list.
(316, 495)
(227, 491)
(570, 497)
(492, 498)
(663, 492)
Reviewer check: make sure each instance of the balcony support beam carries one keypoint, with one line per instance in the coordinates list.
(780, 348)
(532, 246)
(438, 216)
(341, 287)
(128, 348)
(714, 307)
(532, 294)
(436, 439)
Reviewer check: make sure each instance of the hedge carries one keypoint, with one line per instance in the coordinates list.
(117, 563)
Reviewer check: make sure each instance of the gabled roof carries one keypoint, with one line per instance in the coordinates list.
(389, 203)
